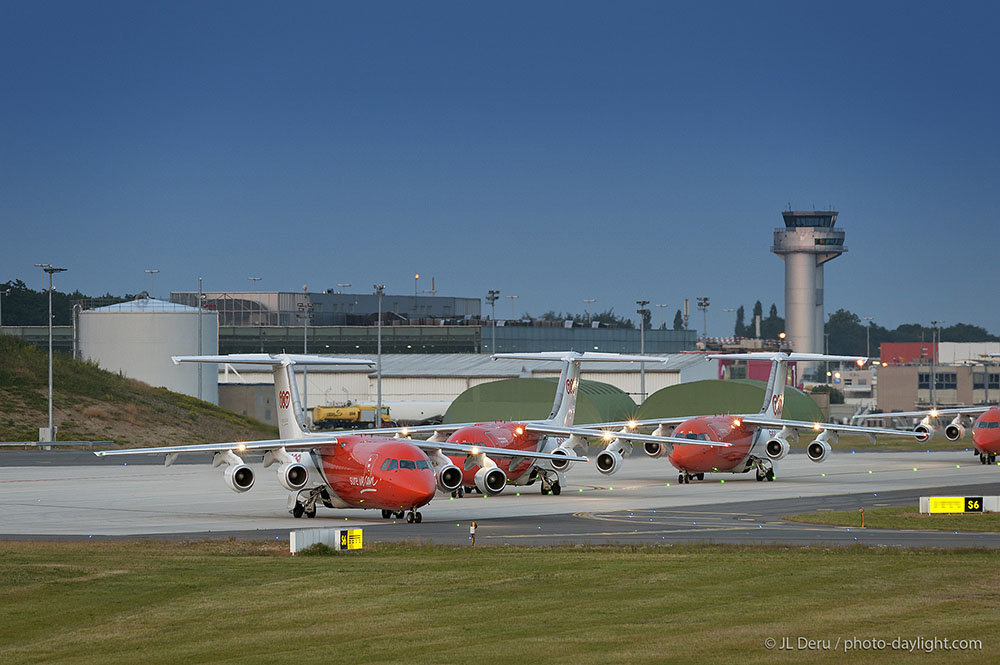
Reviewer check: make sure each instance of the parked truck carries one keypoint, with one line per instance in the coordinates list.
(349, 416)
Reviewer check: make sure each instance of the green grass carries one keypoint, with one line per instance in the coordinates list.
(904, 517)
(235, 602)
(93, 404)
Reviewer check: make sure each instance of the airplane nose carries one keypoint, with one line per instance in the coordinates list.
(419, 488)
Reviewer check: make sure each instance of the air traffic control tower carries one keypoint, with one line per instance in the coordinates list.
(806, 243)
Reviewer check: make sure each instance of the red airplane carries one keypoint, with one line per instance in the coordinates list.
(985, 428)
(755, 441)
(556, 434)
(394, 475)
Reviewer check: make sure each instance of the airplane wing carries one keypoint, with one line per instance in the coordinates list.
(933, 413)
(318, 442)
(819, 427)
(631, 424)
(591, 432)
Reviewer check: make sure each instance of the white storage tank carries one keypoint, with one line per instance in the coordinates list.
(138, 337)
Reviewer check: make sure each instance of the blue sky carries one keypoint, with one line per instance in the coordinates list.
(555, 151)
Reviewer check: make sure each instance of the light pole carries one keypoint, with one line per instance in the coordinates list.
(379, 291)
(254, 280)
(703, 306)
(305, 311)
(934, 335)
(868, 336)
(660, 307)
(512, 299)
(730, 310)
(47, 267)
(152, 281)
(642, 311)
(491, 298)
(5, 292)
(201, 312)
(589, 301)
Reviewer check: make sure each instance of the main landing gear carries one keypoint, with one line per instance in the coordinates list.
(414, 516)
(685, 477)
(550, 486)
(989, 458)
(305, 503)
(765, 471)
(388, 514)
(459, 493)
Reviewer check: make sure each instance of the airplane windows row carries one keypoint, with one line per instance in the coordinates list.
(391, 464)
(993, 425)
(696, 437)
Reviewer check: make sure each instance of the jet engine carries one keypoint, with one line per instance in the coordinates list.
(491, 481)
(449, 478)
(776, 448)
(817, 450)
(608, 461)
(653, 450)
(955, 431)
(239, 477)
(292, 477)
(562, 465)
(926, 432)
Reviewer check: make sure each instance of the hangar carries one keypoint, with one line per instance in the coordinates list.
(714, 396)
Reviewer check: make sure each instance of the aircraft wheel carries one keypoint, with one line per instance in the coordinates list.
(992, 459)
(311, 513)
(680, 478)
(298, 510)
(982, 458)
(419, 517)
(410, 517)
(386, 514)
(544, 491)
(701, 476)
(770, 475)
(398, 514)
(556, 489)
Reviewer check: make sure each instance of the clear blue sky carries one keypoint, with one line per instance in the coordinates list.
(556, 151)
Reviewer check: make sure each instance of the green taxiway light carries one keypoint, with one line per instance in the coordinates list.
(823, 474)
(517, 494)
(958, 466)
(611, 488)
(914, 468)
(668, 484)
(581, 489)
(722, 481)
(869, 470)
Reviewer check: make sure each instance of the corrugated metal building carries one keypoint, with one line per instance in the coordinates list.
(438, 379)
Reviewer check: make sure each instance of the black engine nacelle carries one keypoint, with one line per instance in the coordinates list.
(449, 478)
(954, 431)
(491, 481)
(239, 477)
(926, 432)
(776, 448)
(608, 461)
(817, 451)
(292, 477)
(654, 450)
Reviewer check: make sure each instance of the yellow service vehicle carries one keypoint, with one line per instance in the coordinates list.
(349, 416)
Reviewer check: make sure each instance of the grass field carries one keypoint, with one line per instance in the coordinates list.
(236, 602)
(904, 517)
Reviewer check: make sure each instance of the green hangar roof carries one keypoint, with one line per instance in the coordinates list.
(713, 396)
(531, 399)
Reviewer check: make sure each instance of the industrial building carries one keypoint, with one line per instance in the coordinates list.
(918, 375)
(806, 243)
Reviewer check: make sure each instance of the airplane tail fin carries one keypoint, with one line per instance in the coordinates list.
(286, 394)
(774, 394)
(564, 404)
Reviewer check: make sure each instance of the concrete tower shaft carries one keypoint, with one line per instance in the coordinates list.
(807, 241)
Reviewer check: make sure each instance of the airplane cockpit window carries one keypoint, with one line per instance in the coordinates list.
(703, 437)
(407, 464)
(691, 435)
(422, 464)
(995, 424)
(385, 465)
(390, 464)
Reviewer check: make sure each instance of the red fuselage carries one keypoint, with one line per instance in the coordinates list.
(986, 432)
(377, 472)
(496, 435)
(706, 459)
